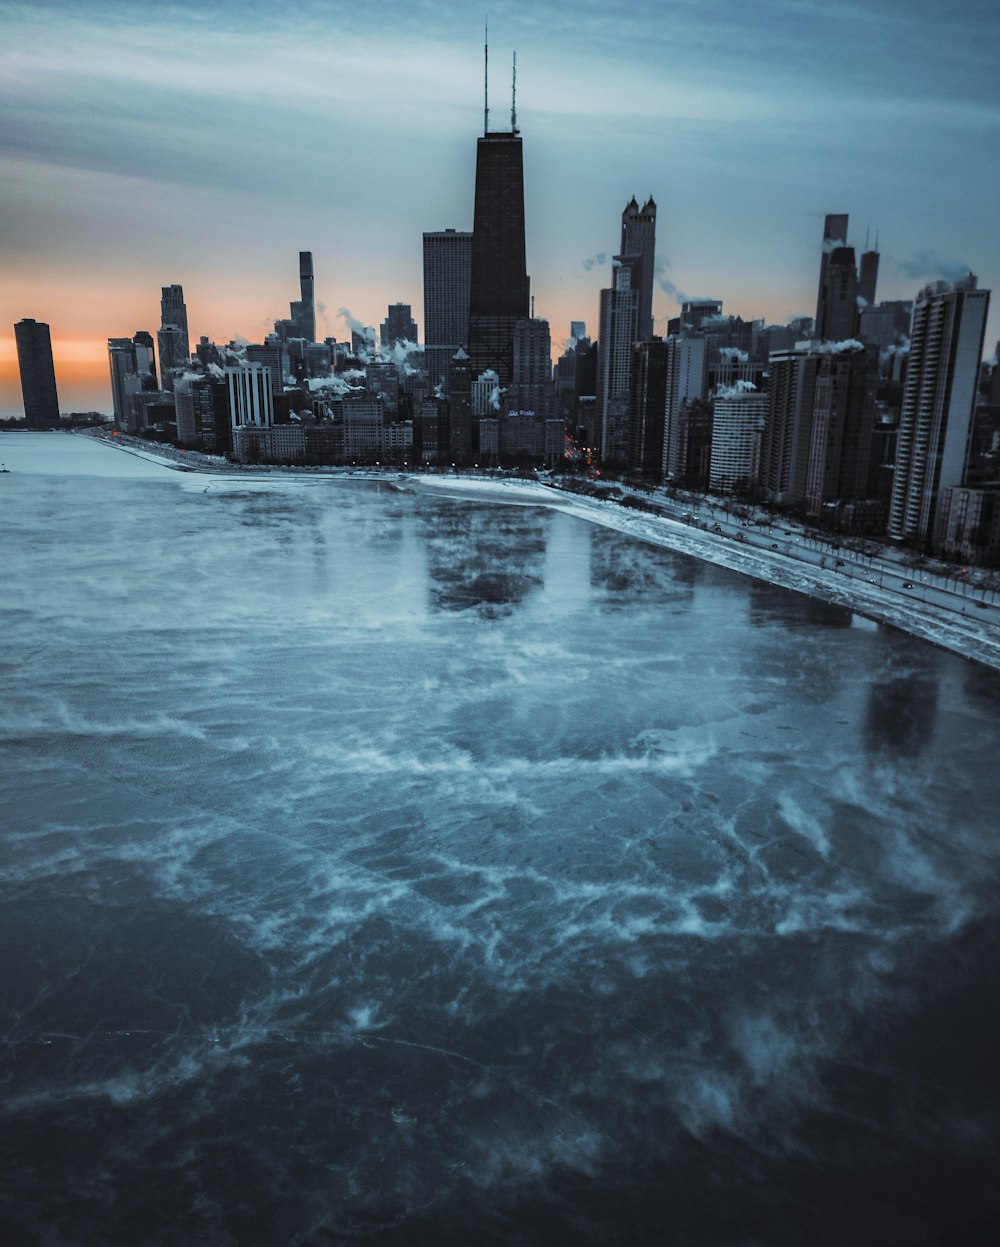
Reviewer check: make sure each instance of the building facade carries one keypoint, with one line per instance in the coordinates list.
(935, 425)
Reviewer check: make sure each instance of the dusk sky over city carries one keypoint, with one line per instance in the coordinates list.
(207, 145)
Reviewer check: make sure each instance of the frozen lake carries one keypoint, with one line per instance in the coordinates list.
(404, 869)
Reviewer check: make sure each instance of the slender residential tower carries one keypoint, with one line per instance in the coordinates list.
(38, 376)
(498, 283)
(946, 347)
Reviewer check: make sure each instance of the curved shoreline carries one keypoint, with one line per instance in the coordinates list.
(971, 637)
(967, 636)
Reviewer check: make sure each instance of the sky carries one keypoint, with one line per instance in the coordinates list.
(209, 144)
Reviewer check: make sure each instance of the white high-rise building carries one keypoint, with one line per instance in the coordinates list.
(250, 400)
(946, 347)
(738, 418)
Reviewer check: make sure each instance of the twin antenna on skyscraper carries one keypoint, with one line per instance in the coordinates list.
(486, 85)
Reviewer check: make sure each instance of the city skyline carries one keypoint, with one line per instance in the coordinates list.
(130, 172)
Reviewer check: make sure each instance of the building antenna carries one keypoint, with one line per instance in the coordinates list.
(532, 307)
(868, 230)
(486, 74)
(876, 239)
(513, 99)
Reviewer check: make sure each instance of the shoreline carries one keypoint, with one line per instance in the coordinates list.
(967, 636)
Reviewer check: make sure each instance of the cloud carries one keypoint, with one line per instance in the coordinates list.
(595, 261)
(928, 264)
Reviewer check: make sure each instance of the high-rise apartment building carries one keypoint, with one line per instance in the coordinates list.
(738, 417)
(687, 379)
(842, 422)
(498, 280)
(647, 406)
(531, 372)
(618, 334)
(447, 267)
(38, 374)
(946, 346)
(639, 245)
(784, 461)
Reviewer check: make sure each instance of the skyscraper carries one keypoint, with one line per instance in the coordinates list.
(946, 346)
(639, 245)
(834, 235)
(837, 308)
(447, 262)
(738, 418)
(687, 379)
(38, 375)
(303, 310)
(868, 276)
(133, 371)
(784, 460)
(498, 284)
(648, 402)
(842, 422)
(531, 375)
(250, 397)
(619, 319)
(172, 336)
(398, 326)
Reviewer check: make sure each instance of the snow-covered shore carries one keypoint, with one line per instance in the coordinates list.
(975, 635)
(972, 636)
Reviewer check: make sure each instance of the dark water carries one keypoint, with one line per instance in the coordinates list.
(382, 868)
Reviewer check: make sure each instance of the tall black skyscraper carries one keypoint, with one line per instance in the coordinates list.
(498, 288)
(38, 375)
(447, 258)
(303, 310)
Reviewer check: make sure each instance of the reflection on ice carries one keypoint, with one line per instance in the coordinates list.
(406, 869)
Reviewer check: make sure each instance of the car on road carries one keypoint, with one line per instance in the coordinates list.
(871, 580)
(840, 562)
(907, 584)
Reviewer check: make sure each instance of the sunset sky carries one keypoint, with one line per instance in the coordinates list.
(208, 144)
